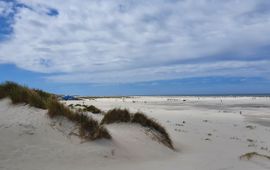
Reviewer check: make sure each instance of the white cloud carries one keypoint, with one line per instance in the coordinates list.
(134, 40)
(227, 69)
(5, 8)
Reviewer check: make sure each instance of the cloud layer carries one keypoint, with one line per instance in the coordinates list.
(103, 41)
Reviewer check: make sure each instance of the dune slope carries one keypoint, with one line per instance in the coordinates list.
(30, 140)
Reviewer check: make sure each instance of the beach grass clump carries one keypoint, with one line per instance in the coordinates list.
(92, 109)
(116, 115)
(36, 100)
(88, 127)
(250, 155)
(56, 108)
(102, 132)
(22, 94)
(144, 121)
(124, 116)
(71, 106)
(44, 95)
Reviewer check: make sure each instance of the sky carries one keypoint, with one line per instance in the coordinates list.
(136, 47)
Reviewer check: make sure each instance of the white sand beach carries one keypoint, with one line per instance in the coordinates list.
(209, 133)
(127, 85)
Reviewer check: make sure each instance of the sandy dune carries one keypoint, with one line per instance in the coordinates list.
(209, 133)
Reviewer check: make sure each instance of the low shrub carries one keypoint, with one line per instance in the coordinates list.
(143, 120)
(116, 116)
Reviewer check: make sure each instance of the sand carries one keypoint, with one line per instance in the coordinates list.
(209, 133)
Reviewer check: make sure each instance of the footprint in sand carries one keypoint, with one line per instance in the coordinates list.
(27, 129)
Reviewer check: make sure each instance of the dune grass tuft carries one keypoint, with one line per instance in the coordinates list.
(250, 155)
(116, 115)
(92, 109)
(22, 94)
(143, 120)
(123, 115)
(101, 132)
(58, 109)
(89, 128)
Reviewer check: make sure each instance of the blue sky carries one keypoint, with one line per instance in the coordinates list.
(136, 47)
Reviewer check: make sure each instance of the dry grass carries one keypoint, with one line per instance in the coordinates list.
(101, 132)
(22, 94)
(116, 116)
(91, 109)
(58, 109)
(44, 95)
(250, 155)
(143, 120)
(123, 115)
(89, 128)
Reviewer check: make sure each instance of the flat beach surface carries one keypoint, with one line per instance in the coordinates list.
(209, 133)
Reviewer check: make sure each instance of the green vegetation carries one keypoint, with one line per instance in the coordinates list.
(88, 127)
(22, 94)
(92, 109)
(71, 106)
(116, 116)
(143, 120)
(123, 115)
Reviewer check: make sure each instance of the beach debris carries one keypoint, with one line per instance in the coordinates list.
(264, 148)
(234, 138)
(250, 127)
(250, 140)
